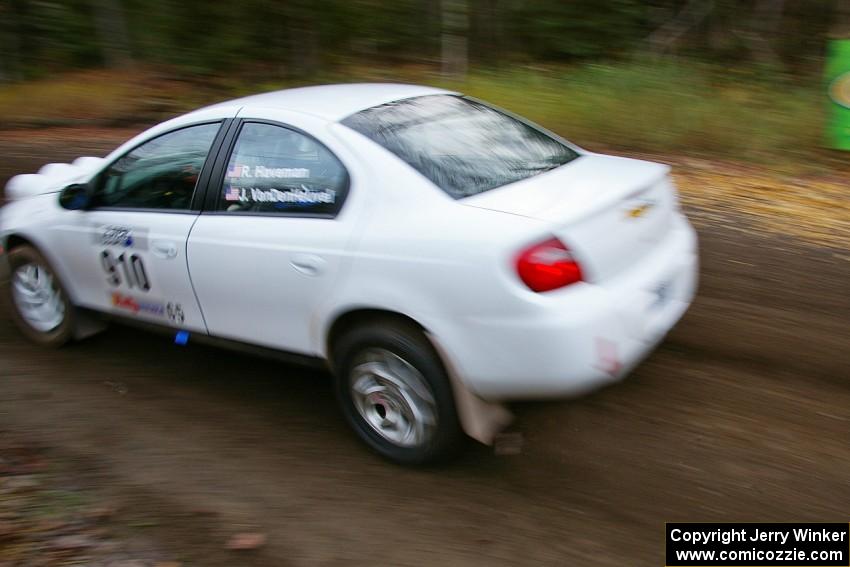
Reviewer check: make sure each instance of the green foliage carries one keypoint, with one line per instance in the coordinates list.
(678, 106)
(301, 37)
(661, 105)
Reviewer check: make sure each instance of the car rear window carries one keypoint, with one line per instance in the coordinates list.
(465, 147)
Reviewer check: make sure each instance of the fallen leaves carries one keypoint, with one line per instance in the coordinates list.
(46, 519)
(809, 206)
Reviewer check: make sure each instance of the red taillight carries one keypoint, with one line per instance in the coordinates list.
(547, 265)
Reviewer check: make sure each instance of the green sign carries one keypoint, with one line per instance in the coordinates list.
(838, 89)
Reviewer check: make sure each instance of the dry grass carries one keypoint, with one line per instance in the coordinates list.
(672, 107)
(105, 97)
(812, 207)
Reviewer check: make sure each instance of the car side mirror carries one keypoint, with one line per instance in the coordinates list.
(75, 197)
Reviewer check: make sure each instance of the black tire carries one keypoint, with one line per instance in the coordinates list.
(54, 337)
(407, 342)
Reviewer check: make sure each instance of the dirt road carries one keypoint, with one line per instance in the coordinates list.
(742, 414)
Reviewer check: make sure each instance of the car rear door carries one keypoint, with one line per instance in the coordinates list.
(127, 250)
(274, 235)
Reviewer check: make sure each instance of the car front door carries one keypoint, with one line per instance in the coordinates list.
(127, 250)
(273, 239)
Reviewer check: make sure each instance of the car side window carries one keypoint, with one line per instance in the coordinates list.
(159, 174)
(274, 169)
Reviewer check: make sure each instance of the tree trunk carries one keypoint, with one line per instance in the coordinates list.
(433, 26)
(15, 32)
(111, 27)
(6, 48)
(694, 12)
(303, 39)
(840, 28)
(498, 30)
(487, 43)
(455, 51)
(767, 16)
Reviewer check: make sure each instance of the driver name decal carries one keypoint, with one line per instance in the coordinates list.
(263, 172)
(298, 196)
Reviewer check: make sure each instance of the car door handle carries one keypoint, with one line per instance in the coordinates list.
(308, 264)
(164, 249)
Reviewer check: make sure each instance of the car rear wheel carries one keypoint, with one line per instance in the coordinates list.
(395, 393)
(38, 302)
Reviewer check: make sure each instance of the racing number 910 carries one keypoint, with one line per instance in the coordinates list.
(132, 268)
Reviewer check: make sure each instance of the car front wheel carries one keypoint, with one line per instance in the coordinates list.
(395, 393)
(38, 302)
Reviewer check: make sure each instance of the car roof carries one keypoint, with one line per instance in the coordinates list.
(333, 102)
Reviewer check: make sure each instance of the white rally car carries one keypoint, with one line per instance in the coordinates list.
(441, 255)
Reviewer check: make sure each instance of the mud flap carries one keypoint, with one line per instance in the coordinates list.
(480, 419)
(87, 324)
(5, 271)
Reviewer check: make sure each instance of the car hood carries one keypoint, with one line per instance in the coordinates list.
(52, 177)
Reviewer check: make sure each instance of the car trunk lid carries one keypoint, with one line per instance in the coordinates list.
(609, 211)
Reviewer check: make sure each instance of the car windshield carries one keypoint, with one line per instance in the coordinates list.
(463, 146)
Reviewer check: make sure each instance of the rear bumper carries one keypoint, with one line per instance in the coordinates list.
(584, 336)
